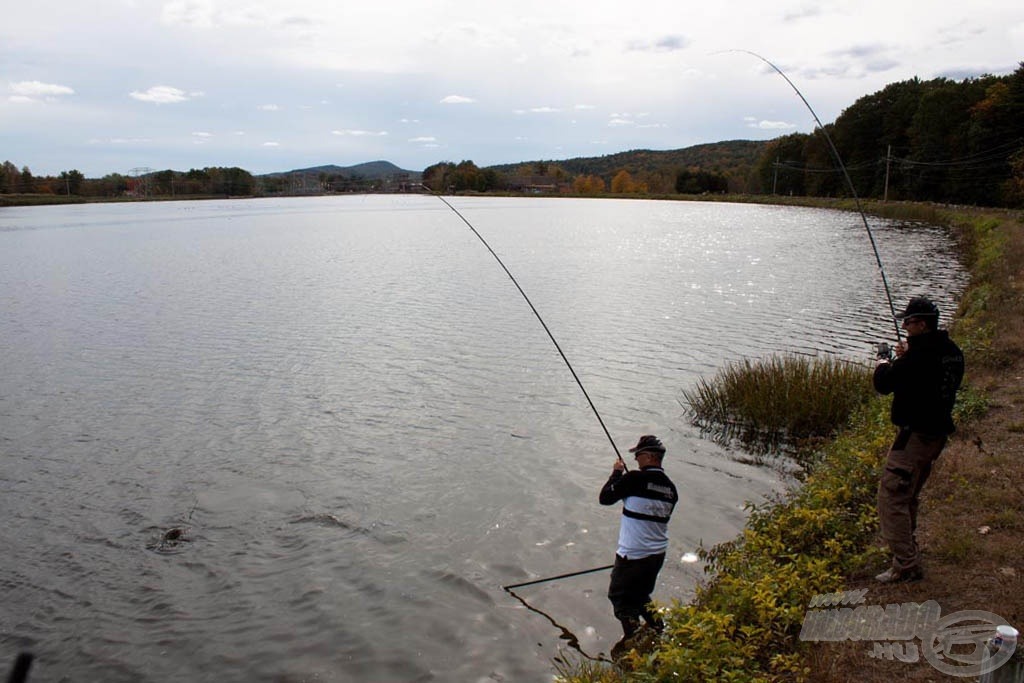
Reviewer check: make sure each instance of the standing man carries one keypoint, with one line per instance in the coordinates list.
(923, 379)
(648, 497)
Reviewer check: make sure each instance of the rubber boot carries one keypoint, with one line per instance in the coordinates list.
(629, 626)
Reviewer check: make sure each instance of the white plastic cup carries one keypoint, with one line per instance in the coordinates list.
(1005, 634)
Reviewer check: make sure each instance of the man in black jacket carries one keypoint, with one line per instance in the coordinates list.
(648, 497)
(923, 379)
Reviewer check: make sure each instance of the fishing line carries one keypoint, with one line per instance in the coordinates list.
(568, 636)
(543, 324)
(849, 183)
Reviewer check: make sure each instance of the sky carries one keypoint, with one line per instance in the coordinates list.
(111, 86)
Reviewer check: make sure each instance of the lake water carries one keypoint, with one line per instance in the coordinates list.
(363, 429)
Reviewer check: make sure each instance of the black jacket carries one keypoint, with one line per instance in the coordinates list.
(924, 382)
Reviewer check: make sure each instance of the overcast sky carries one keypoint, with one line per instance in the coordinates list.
(106, 86)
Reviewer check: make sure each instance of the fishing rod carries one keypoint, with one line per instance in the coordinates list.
(849, 183)
(556, 578)
(539, 318)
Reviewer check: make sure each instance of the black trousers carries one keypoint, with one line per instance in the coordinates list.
(631, 586)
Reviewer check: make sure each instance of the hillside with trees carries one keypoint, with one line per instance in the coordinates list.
(959, 142)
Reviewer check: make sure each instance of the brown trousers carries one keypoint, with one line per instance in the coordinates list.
(907, 468)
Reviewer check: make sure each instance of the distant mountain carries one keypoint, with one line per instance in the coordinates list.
(371, 170)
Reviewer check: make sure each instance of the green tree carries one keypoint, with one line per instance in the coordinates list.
(781, 167)
(163, 182)
(435, 176)
(71, 181)
(9, 178)
(697, 181)
(26, 181)
(466, 176)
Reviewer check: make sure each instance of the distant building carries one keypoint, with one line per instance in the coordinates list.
(536, 184)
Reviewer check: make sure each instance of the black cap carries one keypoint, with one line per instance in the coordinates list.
(648, 442)
(919, 307)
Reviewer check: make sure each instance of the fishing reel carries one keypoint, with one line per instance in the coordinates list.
(883, 351)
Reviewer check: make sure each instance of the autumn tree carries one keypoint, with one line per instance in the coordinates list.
(623, 183)
(588, 184)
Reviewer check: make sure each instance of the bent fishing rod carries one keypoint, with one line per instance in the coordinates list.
(539, 318)
(849, 183)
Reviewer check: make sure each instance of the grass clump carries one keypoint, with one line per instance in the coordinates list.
(781, 401)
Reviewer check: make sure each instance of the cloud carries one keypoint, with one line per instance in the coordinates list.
(457, 99)
(359, 133)
(31, 92)
(537, 110)
(34, 89)
(672, 43)
(801, 13)
(193, 13)
(583, 106)
(296, 21)
(119, 141)
(618, 120)
(881, 65)
(164, 94)
(768, 125)
(859, 51)
(271, 144)
(425, 138)
(201, 134)
(269, 107)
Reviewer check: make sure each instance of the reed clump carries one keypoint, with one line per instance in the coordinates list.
(781, 402)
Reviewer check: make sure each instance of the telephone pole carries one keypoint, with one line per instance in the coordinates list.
(888, 158)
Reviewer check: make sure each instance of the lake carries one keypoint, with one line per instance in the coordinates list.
(363, 430)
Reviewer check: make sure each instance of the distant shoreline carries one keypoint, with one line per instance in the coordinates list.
(931, 212)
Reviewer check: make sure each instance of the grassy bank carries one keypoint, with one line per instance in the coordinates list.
(744, 622)
(10, 200)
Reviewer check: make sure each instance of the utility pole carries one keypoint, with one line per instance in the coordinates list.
(775, 175)
(888, 158)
